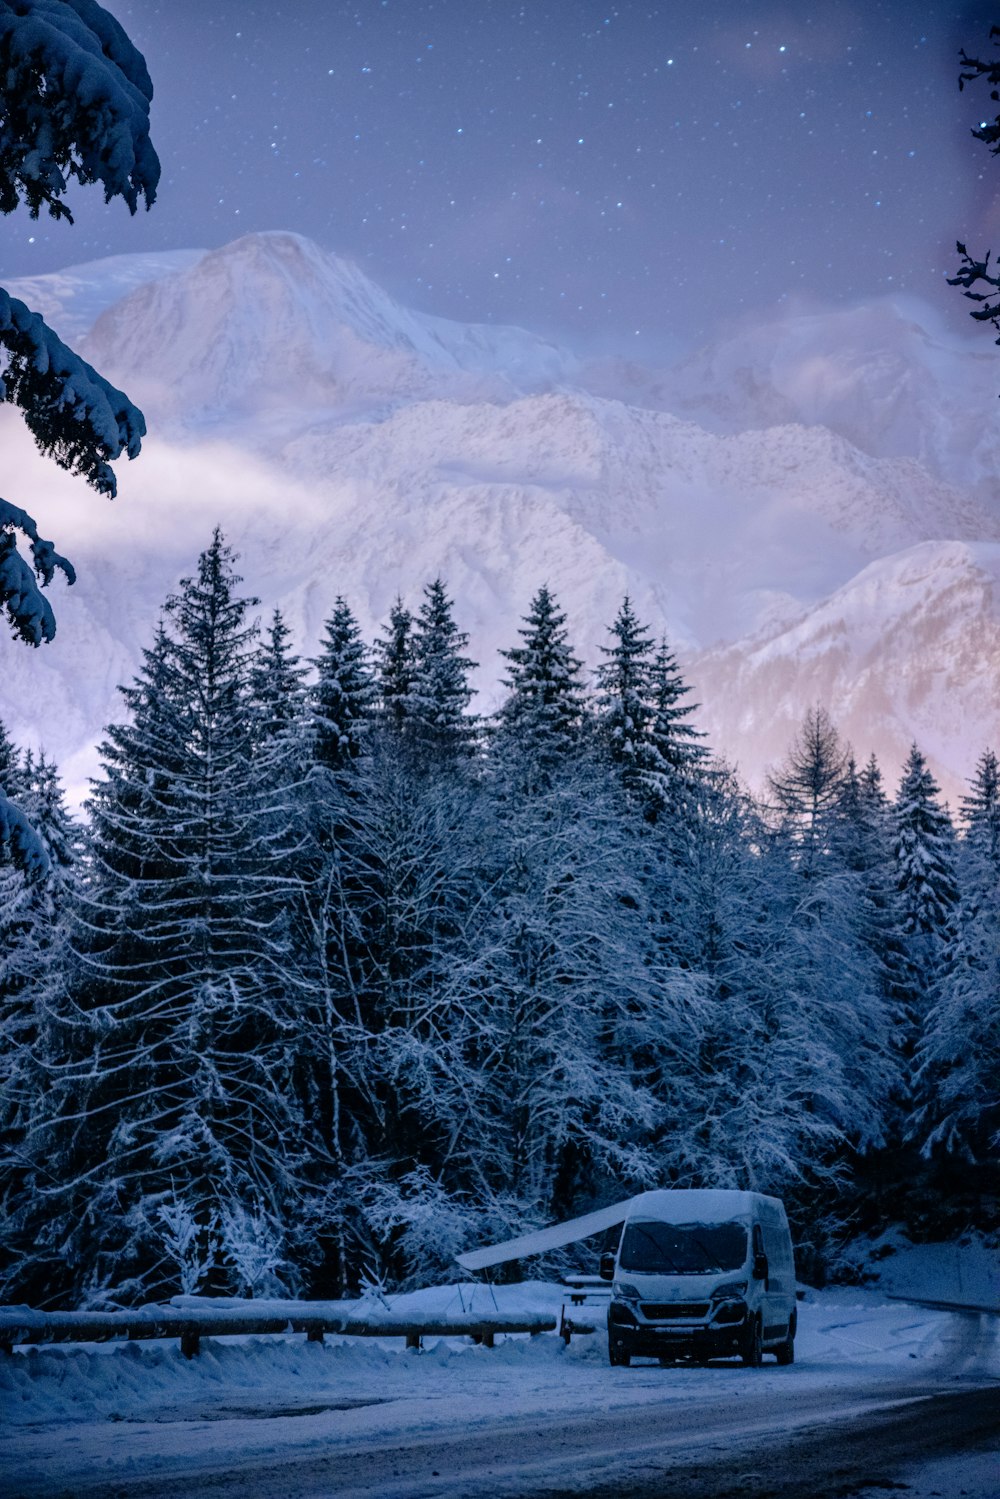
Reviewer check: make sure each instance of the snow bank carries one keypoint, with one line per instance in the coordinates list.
(842, 1334)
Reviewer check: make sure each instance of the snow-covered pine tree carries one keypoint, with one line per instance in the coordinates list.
(45, 806)
(394, 666)
(10, 764)
(18, 839)
(624, 695)
(437, 725)
(926, 895)
(958, 1056)
(924, 851)
(276, 685)
(342, 699)
(674, 755)
(191, 1116)
(981, 813)
(541, 717)
(34, 1009)
(806, 789)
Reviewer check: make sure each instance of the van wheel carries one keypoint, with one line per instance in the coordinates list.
(617, 1357)
(752, 1349)
(785, 1352)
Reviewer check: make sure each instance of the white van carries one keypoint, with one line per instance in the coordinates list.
(700, 1275)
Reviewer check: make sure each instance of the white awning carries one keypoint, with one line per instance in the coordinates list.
(546, 1238)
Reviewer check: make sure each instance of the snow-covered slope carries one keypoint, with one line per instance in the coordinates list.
(349, 445)
(73, 299)
(888, 376)
(274, 322)
(906, 650)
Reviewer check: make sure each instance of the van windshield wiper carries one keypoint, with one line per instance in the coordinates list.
(711, 1260)
(661, 1261)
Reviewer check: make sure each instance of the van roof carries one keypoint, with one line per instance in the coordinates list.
(697, 1205)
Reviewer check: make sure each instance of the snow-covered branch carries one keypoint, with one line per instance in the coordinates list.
(74, 102)
(29, 613)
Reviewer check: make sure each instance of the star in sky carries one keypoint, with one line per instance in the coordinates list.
(587, 170)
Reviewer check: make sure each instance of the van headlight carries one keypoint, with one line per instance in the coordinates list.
(622, 1291)
(729, 1302)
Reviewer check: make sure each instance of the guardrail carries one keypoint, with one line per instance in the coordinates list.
(190, 1323)
(947, 1306)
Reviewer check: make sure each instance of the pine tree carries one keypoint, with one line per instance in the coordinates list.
(57, 831)
(10, 765)
(810, 784)
(674, 757)
(958, 1077)
(394, 662)
(624, 695)
(981, 812)
(276, 688)
(541, 717)
(437, 725)
(926, 900)
(924, 849)
(193, 1128)
(343, 697)
(33, 1005)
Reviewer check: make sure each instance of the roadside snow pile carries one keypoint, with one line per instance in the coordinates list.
(842, 1333)
(963, 1273)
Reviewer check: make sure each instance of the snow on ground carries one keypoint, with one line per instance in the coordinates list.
(842, 1333)
(966, 1272)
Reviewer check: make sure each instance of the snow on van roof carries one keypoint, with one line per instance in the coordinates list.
(696, 1205)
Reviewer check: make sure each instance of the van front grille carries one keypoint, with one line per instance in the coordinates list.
(674, 1311)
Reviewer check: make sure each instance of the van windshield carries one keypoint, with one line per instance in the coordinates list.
(683, 1248)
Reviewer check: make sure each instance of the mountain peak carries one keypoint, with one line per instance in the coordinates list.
(272, 321)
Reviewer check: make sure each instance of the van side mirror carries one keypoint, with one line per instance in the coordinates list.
(607, 1270)
(760, 1266)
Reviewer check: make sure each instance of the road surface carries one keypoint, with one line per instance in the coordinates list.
(417, 1431)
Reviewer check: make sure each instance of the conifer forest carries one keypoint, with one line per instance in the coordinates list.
(334, 978)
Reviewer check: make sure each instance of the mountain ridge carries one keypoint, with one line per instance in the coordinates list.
(349, 445)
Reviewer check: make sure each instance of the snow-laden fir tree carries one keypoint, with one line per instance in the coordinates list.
(276, 684)
(37, 1030)
(624, 695)
(195, 1133)
(927, 910)
(437, 724)
(674, 756)
(958, 1056)
(342, 699)
(981, 813)
(10, 764)
(45, 805)
(540, 719)
(807, 788)
(394, 666)
(18, 840)
(924, 852)
(783, 1068)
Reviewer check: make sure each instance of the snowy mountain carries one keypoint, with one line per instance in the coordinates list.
(906, 650)
(789, 533)
(887, 376)
(273, 322)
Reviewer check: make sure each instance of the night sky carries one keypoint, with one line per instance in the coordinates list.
(622, 176)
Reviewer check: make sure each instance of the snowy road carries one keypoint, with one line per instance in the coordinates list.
(876, 1388)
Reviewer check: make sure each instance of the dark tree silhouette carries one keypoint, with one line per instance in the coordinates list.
(74, 103)
(974, 272)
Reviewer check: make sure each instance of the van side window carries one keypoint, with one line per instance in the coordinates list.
(758, 1239)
